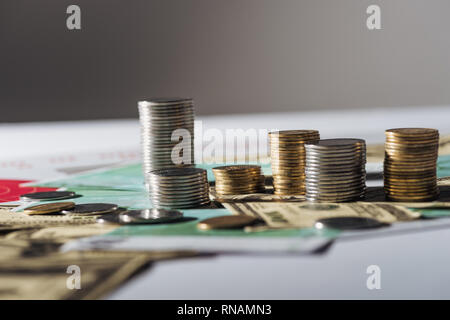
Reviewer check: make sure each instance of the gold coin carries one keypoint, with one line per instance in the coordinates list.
(289, 192)
(424, 189)
(295, 133)
(410, 193)
(403, 184)
(412, 199)
(409, 168)
(289, 185)
(411, 144)
(422, 132)
(236, 175)
(226, 222)
(242, 167)
(288, 170)
(239, 181)
(49, 208)
(281, 180)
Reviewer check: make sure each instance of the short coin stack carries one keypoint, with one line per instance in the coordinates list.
(410, 164)
(287, 154)
(238, 179)
(335, 170)
(178, 188)
(159, 118)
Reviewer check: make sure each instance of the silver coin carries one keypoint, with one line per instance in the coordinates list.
(109, 218)
(337, 194)
(334, 196)
(178, 193)
(182, 206)
(186, 199)
(333, 166)
(332, 173)
(47, 196)
(338, 142)
(91, 209)
(187, 177)
(178, 205)
(177, 172)
(159, 118)
(150, 216)
(158, 101)
(337, 187)
(310, 150)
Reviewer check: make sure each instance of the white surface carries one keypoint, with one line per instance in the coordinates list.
(412, 265)
(200, 244)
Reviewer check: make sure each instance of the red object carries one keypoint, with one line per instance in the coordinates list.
(10, 190)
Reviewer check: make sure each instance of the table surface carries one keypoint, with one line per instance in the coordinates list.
(413, 265)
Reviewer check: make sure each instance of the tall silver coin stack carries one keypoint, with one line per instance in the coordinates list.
(178, 188)
(159, 119)
(335, 170)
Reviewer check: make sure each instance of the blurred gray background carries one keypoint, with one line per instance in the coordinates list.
(231, 56)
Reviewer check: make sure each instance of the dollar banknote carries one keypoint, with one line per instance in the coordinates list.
(32, 266)
(304, 214)
(9, 217)
(54, 275)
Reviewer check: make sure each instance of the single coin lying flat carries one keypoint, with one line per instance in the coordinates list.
(47, 196)
(56, 207)
(149, 216)
(91, 209)
(227, 222)
(349, 223)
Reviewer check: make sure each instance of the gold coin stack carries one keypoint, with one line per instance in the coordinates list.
(238, 179)
(410, 164)
(287, 154)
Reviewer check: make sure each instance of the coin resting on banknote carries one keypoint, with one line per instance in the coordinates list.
(47, 196)
(227, 222)
(49, 208)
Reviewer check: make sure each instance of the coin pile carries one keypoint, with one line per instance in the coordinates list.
(410, 164)
(159, 118)
(287, 154)
(178, 187)
(238, 179)
(335, 170)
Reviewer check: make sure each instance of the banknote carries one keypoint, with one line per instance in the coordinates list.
(32, 266)
(373, 194)
(47, 276)
(444, 145)
(443, 181)
(254, 197)
(9, 217)
(59, 234)
(376, 194)
(304, 214)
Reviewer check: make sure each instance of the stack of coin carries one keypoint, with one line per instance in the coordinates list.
(178, 187)
(410, 164)
(159, 118)
(238, 179)
(335, 170)
(287, 154)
